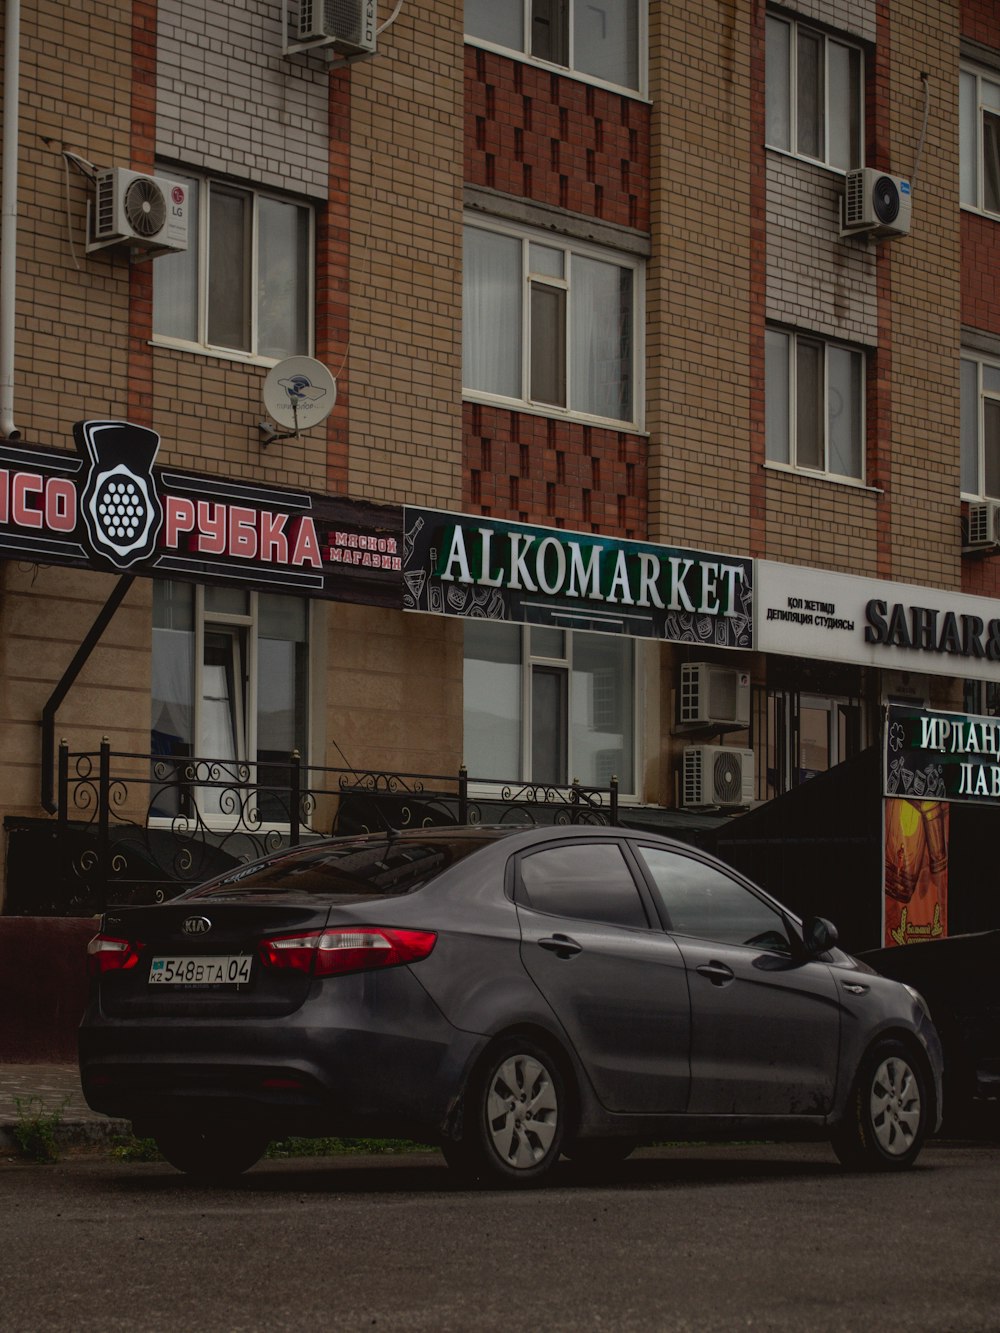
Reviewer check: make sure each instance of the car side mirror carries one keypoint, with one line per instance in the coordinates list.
(818, 935)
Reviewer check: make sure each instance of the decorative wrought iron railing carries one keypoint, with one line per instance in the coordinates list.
(139, 827)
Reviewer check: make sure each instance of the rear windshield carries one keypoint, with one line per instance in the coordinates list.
(372, 868)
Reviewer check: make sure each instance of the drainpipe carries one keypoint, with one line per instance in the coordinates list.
(8, 230)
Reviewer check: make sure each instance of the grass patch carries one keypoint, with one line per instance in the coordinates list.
(35, 1131)
(132, 1149)
(337, 1147)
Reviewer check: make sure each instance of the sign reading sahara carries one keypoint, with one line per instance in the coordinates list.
(932, 756)
(456, 564)
(110, 508)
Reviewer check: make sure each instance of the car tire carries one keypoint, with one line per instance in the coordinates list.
(886, 1118)
(211, 1153)
(514, 1114)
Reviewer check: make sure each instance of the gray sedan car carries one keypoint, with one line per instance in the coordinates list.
(511, 995)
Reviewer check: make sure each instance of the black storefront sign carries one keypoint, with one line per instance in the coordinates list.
(110, 507)
(485, 568)
(934, 756)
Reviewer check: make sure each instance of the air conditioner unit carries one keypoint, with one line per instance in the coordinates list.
(712, 695)
(716, 775)
(349, 26)
(875, 203)
(144, 211)
(983, 525)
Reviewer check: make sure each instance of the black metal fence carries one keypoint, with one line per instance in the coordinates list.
(140, 828)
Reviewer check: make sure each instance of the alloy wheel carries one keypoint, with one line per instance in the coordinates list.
(522, 1111)
(895, 1106)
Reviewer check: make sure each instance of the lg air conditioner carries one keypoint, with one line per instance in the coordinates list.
(348, 26)
(146, 212)
(716, 775)
(713, 695)
(875, 204)
(983, 525)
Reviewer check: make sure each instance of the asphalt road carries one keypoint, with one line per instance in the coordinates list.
(694, 1238)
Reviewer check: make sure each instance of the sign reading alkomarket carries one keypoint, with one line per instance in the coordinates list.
(485, 568)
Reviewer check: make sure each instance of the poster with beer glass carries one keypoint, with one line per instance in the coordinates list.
(915, 870)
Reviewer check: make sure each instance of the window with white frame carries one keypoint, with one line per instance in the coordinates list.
(602, 40)
(814, 404)
(244, 284)
(548, 706)
(814, 105)
(980, 380)
(979, 150)
(550, 323)
(230, 681)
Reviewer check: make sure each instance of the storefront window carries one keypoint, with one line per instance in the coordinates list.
(230, 687)
(547, 706)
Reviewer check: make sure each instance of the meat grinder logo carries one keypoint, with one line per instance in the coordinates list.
(196, 925)
(121, 511)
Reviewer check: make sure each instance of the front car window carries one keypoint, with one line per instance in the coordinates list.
(702, 901)
(589, 881)
(815, 94)
(602, 41)
(244, 285)
(551, 325)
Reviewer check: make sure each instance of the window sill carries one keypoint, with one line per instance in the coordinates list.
(852, 483)
(217, 353)
(553, 413)
(839, 172)
(980, 212)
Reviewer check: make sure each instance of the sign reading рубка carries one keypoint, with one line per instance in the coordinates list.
(485, 568)
(110, 508)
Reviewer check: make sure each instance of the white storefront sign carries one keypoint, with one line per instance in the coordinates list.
(871, 622)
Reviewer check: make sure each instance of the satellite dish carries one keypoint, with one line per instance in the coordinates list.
(299, 393)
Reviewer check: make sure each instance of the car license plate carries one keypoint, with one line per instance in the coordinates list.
(203, 971)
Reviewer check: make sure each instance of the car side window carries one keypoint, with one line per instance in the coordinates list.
(588, 881)
(703, 901)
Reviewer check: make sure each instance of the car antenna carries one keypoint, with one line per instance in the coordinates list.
(392, 832)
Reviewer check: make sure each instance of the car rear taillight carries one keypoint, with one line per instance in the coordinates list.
(106, 953)
(332, 952)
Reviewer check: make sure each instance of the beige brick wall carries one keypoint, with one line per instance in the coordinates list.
(46, 613)
(698, 288)
(71, 310)
(925, 278)
(265, 118)
(395, 688)
(815, 280)
(856, 17)
(404, 365)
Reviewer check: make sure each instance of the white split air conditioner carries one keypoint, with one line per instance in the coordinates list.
(144, 211)
(349, 26)
(712, 695)
(875, 204)
(983, 529)
(716, 775)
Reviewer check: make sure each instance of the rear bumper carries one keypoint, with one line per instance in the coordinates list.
(319, 1071)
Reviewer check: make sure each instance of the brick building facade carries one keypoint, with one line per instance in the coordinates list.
(702, 362)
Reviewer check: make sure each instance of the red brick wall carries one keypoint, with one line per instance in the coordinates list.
(552, 139)
(558, 474)
(981, 273)
(556, 141)
(981, 21)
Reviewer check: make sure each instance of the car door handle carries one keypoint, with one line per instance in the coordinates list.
(717, 973)
(561, 945)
